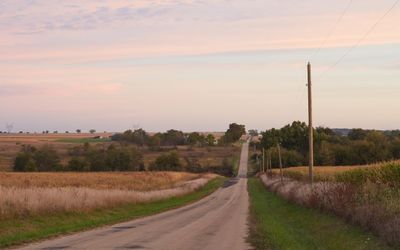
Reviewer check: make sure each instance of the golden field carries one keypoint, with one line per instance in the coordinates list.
(27, 194)
(138, 181)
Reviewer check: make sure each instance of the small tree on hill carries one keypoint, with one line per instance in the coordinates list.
(167, 162)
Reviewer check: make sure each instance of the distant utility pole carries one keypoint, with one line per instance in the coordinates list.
(270, 162)
(280, 161)
(310, 126)
(263, 160)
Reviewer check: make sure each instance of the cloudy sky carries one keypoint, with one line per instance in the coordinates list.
(197, 64)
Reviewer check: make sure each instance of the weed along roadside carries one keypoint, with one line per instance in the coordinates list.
(276, 223)
(364, 196)
(14, 231)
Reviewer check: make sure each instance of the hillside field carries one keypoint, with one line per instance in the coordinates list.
(10, 145)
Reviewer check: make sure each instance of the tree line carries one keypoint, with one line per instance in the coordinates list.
(125, 155)
(358, 147)
(97, 158)
(81, 158)
(170, 138)
(174, 137)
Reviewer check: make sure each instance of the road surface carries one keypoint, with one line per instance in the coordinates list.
(217, 222)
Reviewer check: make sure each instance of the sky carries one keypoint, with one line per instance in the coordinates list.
(197, 65)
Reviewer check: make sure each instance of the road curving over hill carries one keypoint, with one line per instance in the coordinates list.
(218, 221)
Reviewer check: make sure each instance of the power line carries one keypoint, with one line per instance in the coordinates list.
(327, 38)
(359, 41)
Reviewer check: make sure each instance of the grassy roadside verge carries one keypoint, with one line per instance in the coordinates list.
(278, 224)
(18, 231)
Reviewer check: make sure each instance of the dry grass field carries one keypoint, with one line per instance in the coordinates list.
(28, 194)
(131, 181)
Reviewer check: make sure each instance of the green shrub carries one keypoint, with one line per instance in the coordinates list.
(21, 161)
(47, 159)
(167, 162)
(78, 164)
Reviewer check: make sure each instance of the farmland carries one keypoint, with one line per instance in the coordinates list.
(43, 212)
(206, 156)
(131, 181)
(331, 173)
(10, 144)
(23, 194)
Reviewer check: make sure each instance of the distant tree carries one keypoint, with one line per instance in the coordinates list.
(92, 131)
(154, 142)
(270, 138)
(233, 134)
(196, 138)
(78, 164)
(210, 140)
(357, 134)
(123, 159)
(21, 161)
(55, 132)
(78, 131)
(31, 166)
(47, 159)
(395, 148)
(24, 161)
(326, 155)
(253, 132)
(173, 138)
(380, 148)
(167, 162)
(96, 157)
(138, 137)
(67, 132)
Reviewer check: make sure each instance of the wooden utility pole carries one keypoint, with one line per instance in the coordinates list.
(263, 160)
(280, 161)
(266, 155)
(310, 127)
(270, 162)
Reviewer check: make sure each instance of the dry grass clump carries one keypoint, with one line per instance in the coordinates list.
(372, 205)
(139, 181)
(33, 200)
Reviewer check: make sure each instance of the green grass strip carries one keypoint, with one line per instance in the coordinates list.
(279, 224)
(23, 230)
